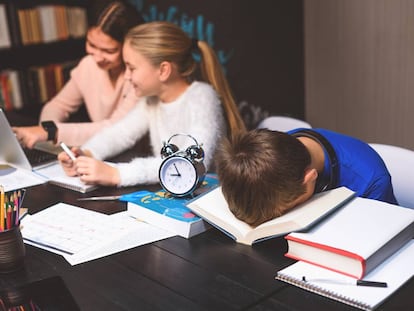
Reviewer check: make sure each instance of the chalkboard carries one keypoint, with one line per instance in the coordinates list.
(259, 44)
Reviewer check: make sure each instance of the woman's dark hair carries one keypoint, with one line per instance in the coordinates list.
(113, 17)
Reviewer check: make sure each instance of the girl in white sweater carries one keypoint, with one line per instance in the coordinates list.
(160, 66)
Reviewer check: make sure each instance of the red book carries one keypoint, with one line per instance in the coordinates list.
(355, 239)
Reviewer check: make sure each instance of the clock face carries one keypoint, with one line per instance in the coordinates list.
(178, 176)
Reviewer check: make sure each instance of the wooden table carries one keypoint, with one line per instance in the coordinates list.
(206, 272)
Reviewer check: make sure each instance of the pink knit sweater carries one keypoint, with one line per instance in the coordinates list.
(90, 86)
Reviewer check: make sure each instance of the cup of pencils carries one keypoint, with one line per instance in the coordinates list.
(12, 250)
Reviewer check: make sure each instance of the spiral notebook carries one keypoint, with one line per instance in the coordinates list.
(395, 271)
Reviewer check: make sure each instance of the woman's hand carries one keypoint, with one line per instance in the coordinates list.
(28, 136)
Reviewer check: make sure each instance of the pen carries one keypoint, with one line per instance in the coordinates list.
(68, 151)
(344, 282)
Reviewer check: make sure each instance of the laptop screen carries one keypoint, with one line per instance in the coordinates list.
(11, 151)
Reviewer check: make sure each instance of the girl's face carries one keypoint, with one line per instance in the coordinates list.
(143, 75)
(106, 51)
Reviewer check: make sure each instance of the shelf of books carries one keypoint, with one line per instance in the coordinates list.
(40, 42)
(40, 23)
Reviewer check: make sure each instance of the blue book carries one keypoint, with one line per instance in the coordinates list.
(161, 209)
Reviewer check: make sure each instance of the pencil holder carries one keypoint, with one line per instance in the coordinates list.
(12, 250)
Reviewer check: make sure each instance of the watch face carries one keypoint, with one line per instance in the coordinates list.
(178, 176)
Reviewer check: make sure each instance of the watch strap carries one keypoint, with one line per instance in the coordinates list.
(51, 129)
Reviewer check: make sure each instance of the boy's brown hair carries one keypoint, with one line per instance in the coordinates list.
(261, 172)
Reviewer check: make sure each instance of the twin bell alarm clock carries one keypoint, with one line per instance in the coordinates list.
(181, 171)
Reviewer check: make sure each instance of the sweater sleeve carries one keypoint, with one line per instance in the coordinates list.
(89, 85)
(139, 171)
(66, 102)
(198, 113)
(121, 136)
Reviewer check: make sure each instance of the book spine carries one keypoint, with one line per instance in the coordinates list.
(393, 245)
(324, 247)
(13, 23)
(5, 41)
(324, 250)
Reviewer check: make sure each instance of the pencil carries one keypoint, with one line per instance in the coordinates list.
(2, 207)
(9, 215)
(16, 209)
(19, 198)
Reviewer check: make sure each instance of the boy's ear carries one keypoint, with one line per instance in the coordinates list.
(165, 71)
(310, 176)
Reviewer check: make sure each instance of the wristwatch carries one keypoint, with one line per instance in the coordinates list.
(51, 129)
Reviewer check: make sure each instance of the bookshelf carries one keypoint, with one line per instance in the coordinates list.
(40, 41)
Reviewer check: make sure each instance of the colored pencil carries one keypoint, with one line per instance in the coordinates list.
(2, 208)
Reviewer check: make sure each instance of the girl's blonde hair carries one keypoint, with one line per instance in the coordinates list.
(164, 41)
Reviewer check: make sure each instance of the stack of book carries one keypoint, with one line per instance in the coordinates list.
(368, 242)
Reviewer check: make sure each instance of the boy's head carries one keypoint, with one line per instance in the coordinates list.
(263, 174)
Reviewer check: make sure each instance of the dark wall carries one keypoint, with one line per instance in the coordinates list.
(259, 43)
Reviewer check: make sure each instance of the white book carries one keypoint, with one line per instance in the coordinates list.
(395, 271)
(77, 22)
(214, 209)
(356, 239)
(186, 229)
(16, 91)
(161, 209)
(5, 41)
(47, 22)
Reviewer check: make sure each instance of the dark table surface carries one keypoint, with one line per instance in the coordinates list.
(206, 272)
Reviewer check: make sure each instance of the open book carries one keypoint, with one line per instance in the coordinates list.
(395, 271)
(213, 208)
(356, 239)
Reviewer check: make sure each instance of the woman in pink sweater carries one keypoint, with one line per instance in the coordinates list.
(96, 82)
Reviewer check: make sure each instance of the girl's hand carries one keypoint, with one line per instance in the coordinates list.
(68, 165)
(92, 171)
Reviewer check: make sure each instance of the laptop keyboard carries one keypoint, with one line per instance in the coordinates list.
(36, 156)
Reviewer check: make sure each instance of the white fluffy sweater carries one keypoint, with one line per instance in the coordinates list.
(197, 112)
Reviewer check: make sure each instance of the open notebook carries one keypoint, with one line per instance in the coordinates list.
(55, 175)
(395, 271)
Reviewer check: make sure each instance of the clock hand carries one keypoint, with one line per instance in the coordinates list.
(176, 169)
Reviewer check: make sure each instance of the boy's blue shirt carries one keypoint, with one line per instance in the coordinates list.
(360, 168)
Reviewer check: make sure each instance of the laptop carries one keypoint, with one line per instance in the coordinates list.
(11, 152)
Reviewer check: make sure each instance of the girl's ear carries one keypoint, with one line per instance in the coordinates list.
(165, 71)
